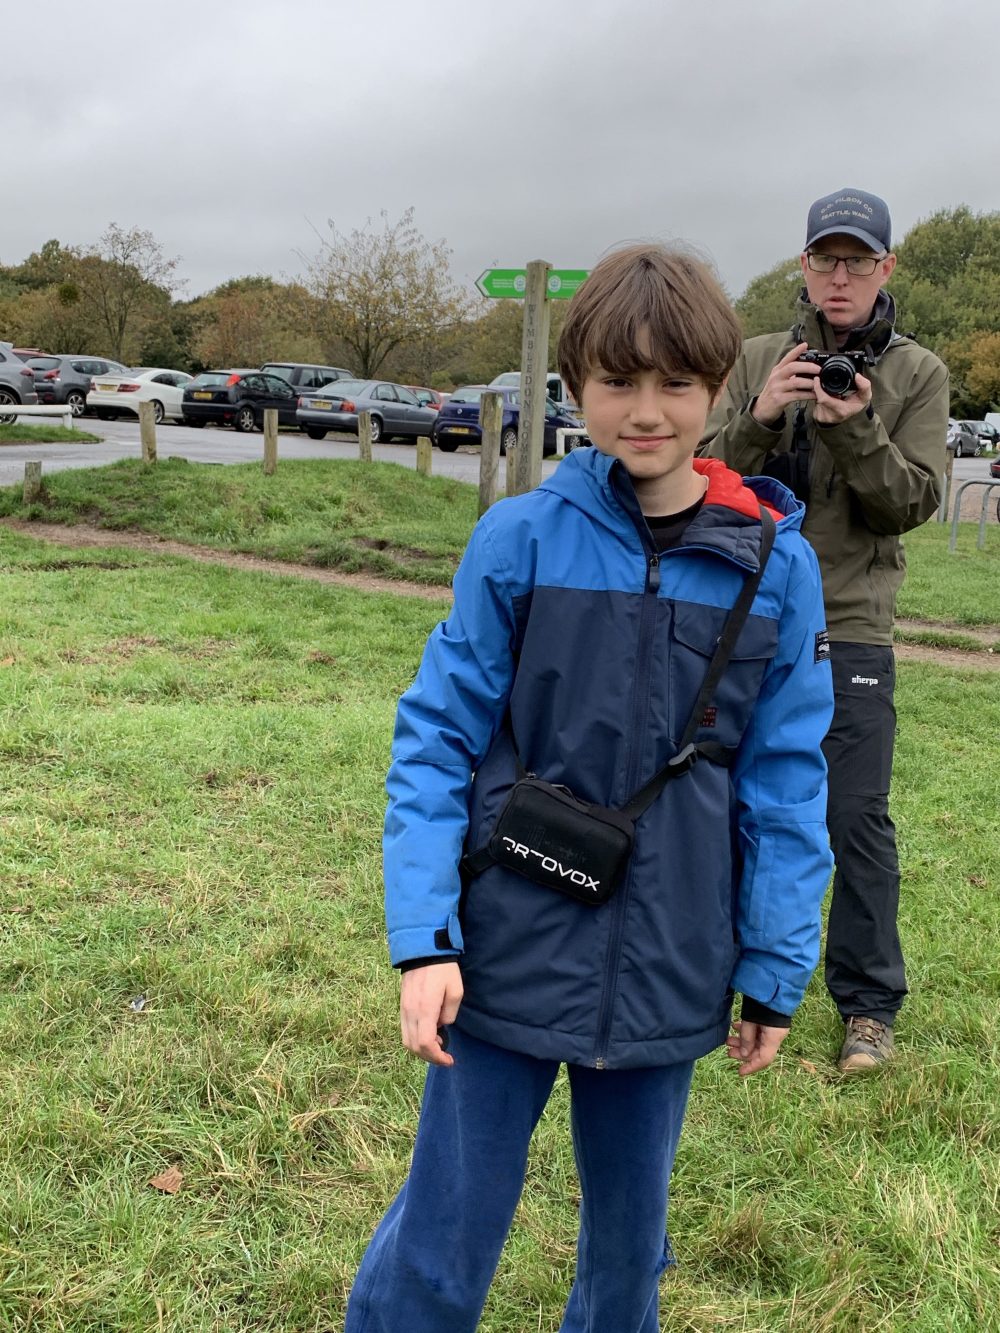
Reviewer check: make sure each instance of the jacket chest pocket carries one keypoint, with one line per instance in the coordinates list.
(696, 631)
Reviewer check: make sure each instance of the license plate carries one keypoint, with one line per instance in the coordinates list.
(202, 393)
(106, 388)
(460, 430)
(320, 407)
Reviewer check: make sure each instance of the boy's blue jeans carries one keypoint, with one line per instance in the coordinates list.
(429, 1265)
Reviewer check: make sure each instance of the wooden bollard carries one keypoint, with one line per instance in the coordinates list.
(147, 432)
(424, 452)
(365, 436)
(32, 482)
(270, 441)
(490, 421)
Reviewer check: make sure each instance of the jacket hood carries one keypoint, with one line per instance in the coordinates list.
(813, 327)
(601, 486)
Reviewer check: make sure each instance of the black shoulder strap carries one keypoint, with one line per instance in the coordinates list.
(687, 752)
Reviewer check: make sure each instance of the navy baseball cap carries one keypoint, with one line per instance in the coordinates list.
(851, 213)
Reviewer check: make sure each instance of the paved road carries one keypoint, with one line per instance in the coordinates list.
(120, 439)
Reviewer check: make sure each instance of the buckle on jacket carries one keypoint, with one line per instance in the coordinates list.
(684, 760)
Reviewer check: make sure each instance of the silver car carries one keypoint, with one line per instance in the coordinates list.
(395, 410)
(17, 384)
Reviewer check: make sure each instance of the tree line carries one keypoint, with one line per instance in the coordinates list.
(380, 300)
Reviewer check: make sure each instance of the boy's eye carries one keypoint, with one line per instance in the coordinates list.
(616, 381)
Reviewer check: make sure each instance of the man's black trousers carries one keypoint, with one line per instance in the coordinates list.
(864, 961)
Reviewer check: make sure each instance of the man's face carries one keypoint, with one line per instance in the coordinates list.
(846, 299)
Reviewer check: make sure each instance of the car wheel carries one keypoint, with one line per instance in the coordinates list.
(958, 449)
(244, 419)
(158, 412)
(76, 402)
(977, 451)
(447, 446)
(196, 422)
(508, 440)
(6, 399)
(102, 415)
(376, 429)
(316, 432)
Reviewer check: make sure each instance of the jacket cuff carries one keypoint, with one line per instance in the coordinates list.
(758, 428)
(752, 979)
(426, 942)
(752, 1011)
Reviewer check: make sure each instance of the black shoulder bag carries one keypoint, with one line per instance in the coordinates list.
(550, 836)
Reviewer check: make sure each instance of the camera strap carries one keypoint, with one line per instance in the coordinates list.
(688, 751)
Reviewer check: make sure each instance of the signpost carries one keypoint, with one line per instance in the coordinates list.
(511, 283)
(536, 286)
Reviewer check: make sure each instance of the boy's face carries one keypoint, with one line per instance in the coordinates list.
(653, 423)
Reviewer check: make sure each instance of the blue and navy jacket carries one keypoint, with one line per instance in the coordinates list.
(565, 615)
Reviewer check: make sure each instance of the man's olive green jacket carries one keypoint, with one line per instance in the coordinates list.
(871, 477)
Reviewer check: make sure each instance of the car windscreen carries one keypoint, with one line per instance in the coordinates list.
(284, 371)
(341, 389)
(467, 395)
(211, 377)
(43, 362)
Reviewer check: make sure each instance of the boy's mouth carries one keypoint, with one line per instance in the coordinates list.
(645, 441)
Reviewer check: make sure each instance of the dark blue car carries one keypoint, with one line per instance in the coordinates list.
(458, 420)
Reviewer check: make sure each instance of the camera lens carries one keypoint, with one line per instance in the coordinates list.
(837, 377)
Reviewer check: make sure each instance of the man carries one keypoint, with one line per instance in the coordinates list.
(868, 466)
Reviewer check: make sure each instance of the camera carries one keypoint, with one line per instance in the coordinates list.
(837, 370)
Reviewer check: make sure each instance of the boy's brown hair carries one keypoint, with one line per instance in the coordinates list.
(648, 307)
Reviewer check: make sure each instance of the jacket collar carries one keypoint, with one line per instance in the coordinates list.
(813, 327)
(728, 522)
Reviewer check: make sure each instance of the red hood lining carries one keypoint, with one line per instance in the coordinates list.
(726, 488)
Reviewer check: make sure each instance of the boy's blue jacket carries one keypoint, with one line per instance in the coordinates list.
(564, 613)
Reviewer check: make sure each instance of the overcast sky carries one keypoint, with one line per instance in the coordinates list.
(518, 129)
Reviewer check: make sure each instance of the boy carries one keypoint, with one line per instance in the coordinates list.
(585, 617)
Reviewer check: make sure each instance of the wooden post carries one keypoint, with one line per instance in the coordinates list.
(365, 436)
(270, 441)
(424, 451)
(147, 432)
(534, 364)
(491, 421)
(32, 482)
(949, 466)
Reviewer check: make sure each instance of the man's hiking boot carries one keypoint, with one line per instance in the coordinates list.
(867, 1044)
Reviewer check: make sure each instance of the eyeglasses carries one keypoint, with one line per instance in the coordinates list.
(861, 266)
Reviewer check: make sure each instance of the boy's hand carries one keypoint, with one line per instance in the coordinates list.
(754, 1045)
(787, 383)
(429, 998)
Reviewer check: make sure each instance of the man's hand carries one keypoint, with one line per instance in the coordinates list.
(754, 1045)
(828, 411)
(787, 383)
(429, 998)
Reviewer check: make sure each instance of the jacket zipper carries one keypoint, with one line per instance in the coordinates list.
(647, 623)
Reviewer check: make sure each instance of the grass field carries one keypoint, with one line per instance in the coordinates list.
(192, 815)
(18, 434)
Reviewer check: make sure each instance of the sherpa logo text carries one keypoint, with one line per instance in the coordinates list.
(864, 680)
(553, 866)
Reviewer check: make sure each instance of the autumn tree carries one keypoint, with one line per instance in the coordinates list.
(124, 283)
(379, 287)
(247, 321)
(768, 304)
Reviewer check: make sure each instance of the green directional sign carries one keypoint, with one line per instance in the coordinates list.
(509, 283)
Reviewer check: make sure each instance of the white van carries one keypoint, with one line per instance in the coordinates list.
(555, 386)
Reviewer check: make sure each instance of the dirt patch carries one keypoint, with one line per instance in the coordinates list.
(85, 535)
(987, 635)
(82, 534)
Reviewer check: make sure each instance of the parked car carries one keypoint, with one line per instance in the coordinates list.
(67, 379)
(302, 377)
(987, 432)
(458, 420)
(237, 398)
(995, 472)
(555, 386)
(395, 410)
(963, 440)
(431, 398)
(115, 395)
(17, 384)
